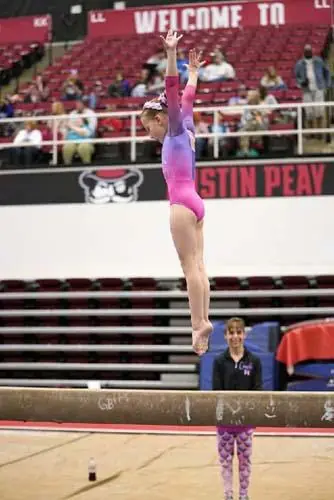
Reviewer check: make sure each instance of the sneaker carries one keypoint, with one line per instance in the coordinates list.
(229, 497)
(244, 498)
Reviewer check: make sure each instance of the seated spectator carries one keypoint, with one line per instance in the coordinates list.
(120, 87)
(156, 84)
(72, 87)
(57, 109)
(266, 98)
(158, 62)
(181, 62)
(251, 120)
(218, 70)
(271, 80)
(6, 111)
(6, 107)
(32, 136)
(140, 88)
(110, 123)
(42, 87)
(32, 95)
(78, 130)
(96, 94)
(220, 128)
(87, 113)
(240, 98)
(49, 132)
(201, 127)
(218, 51)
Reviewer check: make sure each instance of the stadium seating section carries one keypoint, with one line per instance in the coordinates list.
(249, 50)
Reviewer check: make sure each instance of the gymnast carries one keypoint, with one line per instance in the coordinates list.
(172, 125)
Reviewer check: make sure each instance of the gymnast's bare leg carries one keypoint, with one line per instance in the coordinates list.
(201, 266)
(187, 235)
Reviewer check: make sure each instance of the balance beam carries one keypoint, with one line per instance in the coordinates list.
(156, 407)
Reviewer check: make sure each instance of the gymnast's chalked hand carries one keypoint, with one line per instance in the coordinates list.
(171, 40)
(195, 61)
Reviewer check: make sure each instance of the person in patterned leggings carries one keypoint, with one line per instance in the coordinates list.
(236, 369)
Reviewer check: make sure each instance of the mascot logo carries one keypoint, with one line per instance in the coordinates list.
(111, 186)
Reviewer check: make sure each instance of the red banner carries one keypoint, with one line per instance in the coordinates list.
(25, 29)
(208, 16)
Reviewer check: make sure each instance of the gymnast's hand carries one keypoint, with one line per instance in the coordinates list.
(171, 40)
(195, 61)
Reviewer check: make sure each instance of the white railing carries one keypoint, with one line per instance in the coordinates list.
(294, 110)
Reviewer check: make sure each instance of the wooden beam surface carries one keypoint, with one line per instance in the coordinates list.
(152, 407)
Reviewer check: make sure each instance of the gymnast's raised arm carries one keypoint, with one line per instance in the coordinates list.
(175, 125)
(189, 93)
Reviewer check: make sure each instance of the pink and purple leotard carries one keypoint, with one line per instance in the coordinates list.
(178, 149)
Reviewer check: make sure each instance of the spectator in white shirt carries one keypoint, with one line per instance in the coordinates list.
(31, 137)
(140, 88)
(218, 70)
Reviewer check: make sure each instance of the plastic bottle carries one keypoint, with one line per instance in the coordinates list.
(91, 470)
